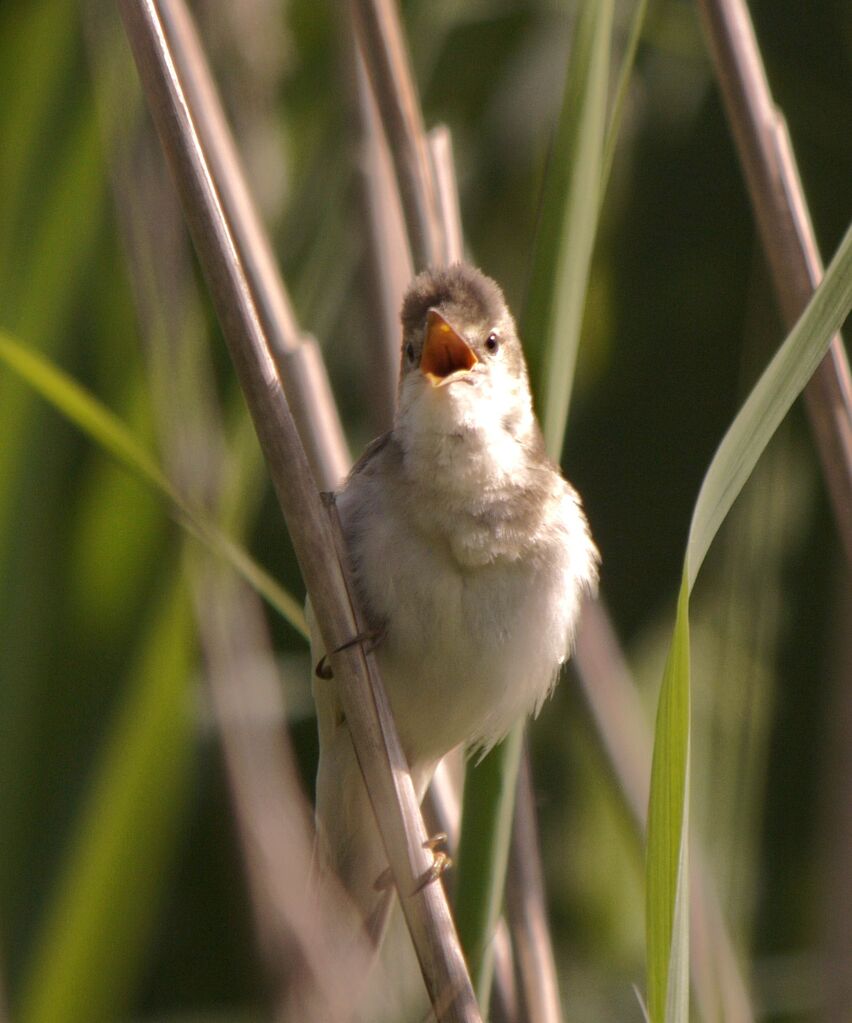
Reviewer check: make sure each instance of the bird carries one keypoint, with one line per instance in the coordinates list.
(470, 555)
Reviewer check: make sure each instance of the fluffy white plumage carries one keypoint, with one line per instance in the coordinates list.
(470, 551)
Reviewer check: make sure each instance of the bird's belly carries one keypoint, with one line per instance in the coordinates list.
(468, 651)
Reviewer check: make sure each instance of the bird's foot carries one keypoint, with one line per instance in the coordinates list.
(371, 638)
(441, 862)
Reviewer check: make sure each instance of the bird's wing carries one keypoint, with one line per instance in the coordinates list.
(372, 450)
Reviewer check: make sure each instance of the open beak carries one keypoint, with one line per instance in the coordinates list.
(445, 352)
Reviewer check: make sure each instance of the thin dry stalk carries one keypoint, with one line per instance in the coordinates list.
(381, 41)
(444, 800)
(315, 541)
(299, 935)
(295, 938)
(769, 165)
(390, 258)
(525, 904)
(444, 170)
(301, 367)
(619, 720)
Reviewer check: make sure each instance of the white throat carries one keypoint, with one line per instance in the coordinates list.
(468, 438)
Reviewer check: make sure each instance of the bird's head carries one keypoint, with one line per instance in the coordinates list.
(462, 362)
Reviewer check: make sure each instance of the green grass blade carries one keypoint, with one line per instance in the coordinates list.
(667, 908)
(552, 326)
(769, 401)
(41, 30)
(624, 75)
(568, 223)
(40, 279)
(88, 953)
(666, 881)
(88, 415)
(489, 801)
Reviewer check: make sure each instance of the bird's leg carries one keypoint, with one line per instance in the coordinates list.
(441, 862)
(371, 638)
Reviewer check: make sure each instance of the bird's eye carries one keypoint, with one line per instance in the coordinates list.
(492, 342)
(409, 352)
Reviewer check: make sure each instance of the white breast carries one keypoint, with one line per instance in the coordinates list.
(475, 637)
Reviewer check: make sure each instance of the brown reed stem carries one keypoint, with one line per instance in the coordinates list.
(302, 370)
(769, 165)
(381, 41)
(311, 528)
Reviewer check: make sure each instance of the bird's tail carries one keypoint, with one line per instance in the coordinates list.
(348, 840)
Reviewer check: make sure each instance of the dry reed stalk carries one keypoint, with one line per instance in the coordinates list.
(312, 530)
(381, 41)
(390, 257)
(526, 908)
(440, 143)
(301, 931)
(769, 165)
(295, 936)
(300, 363)
(391, 271)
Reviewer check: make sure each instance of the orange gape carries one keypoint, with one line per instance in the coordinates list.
(444, 352)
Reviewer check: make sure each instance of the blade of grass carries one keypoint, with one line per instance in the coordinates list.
(42, 31)
(618, 720)
(786, 376)
(88, 415)
(625, 73)
(769, 165)
(489, 801)
(112, 869)
(39, 284)
(667, 893)
(668, 813)
(553, 317)
(568, 222)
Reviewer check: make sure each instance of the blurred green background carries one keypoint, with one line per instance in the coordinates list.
(96, 633)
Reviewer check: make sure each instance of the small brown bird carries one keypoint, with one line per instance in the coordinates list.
(471, 556)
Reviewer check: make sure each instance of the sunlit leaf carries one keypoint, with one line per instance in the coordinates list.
(568, 224)
(668, 826)
(625, 73)
(768, 403)
(489, 801)
(86, 413)
(667, 920)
